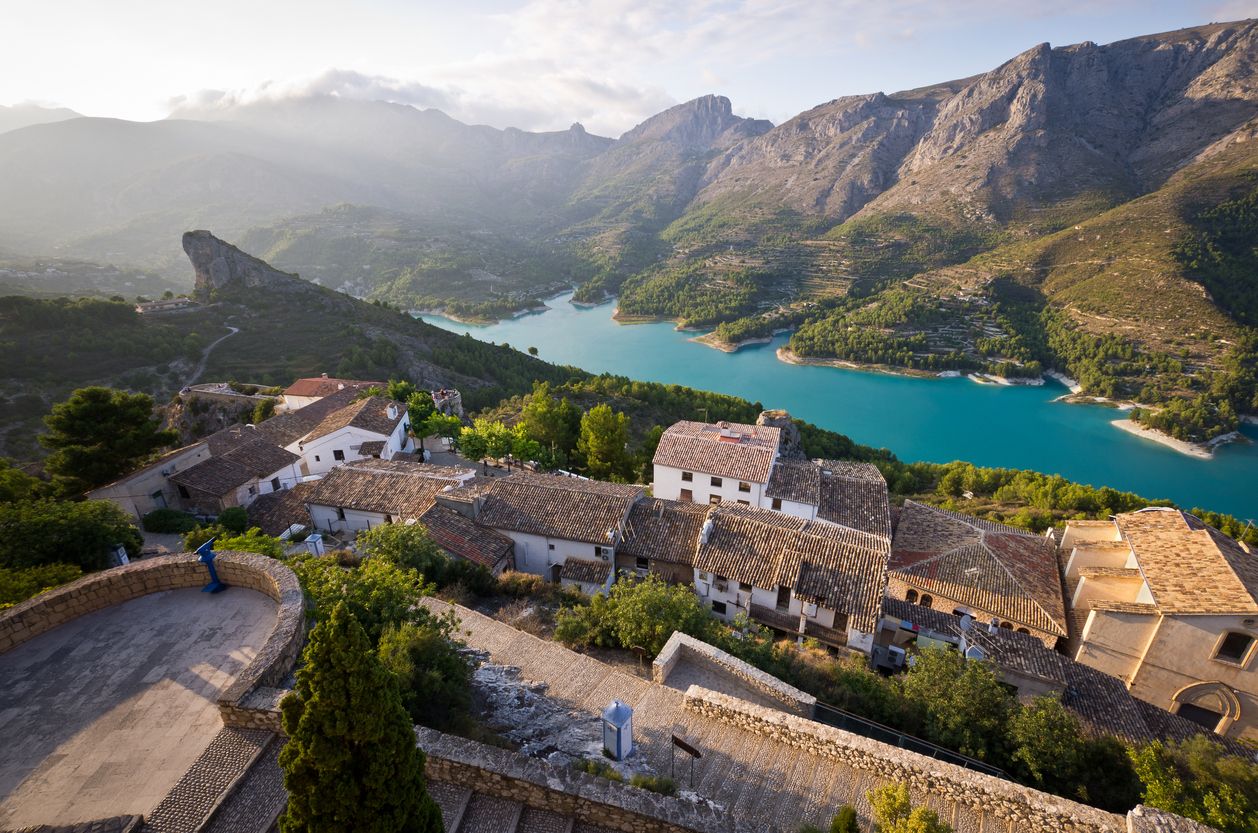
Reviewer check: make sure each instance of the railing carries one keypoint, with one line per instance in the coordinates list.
(864, 727)
(789, 623)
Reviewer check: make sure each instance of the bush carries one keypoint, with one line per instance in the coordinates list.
(21, 584)
(411, 546)
(1197, 779)
(225, 540)
(84, 533)
(378, 593)
(893, 813)
(844, 821)
(514, 584)
(599, 769)
(234, 519)
(168, 521)
(637, 614)
(435, 679)
(655, 783)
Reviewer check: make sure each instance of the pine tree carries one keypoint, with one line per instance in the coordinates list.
(351, 764)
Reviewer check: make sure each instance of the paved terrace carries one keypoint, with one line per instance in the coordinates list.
(762, 781)
(101, 716)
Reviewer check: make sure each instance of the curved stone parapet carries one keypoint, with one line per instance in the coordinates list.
(251, 700)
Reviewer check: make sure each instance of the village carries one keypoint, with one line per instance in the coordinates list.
(1142, 626)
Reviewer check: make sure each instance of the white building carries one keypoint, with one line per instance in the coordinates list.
(244, 464)
(723, 463)
(307, 391)
(552, 519)
(372, 428)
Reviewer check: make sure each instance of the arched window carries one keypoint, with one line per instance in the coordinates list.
(1007, 625)
(1024, 630)
(927, 600)
(910, 596)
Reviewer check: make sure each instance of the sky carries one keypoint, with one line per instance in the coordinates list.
(535, 64)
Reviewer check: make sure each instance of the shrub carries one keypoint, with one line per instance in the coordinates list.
(636, 614)
(893, 813)
(378, 593)
(21, 584)
(344, 557)
(168, 521)
(514, 584)
(655, 783)
(234, 519)
(844, 820)
(84, 533)
(599, 769)
(225, 540)
(1197, 779)
(435, 678)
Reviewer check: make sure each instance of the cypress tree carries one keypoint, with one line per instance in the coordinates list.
(351, 764)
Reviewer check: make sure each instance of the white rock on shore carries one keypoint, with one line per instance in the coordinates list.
(1202, 451)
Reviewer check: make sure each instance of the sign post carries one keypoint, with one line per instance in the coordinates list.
(206, 556)
(680, 743)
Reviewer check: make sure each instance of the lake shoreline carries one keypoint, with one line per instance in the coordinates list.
(710, 340)
(1201, 451)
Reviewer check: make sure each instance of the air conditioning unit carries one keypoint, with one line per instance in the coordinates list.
(168, 471)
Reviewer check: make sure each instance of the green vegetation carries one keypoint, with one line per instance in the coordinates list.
(889, 247)
(99, 434)
(661, 784)
(639, 614)
(410, 547)
(41, 532)
(350, 762)
(844, 820)
(168, 521)
(603, 444)
(234, 519)
(18, 585)
(227, 540)
(599, 769)
(378, 593)
(436, 680)
(1197, 780)
(894, 813)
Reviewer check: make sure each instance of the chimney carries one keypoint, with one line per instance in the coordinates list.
(323, 375)
(726, 430)
(339, 385)
(993, 625)
(392, 410)
(706, 532)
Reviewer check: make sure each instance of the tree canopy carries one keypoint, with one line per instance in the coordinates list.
(38, 532)
(99, 434)
(604, 444)
(351, 762)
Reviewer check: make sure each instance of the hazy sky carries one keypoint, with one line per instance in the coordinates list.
(537, 64)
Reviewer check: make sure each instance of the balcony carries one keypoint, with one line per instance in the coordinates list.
(781, 620)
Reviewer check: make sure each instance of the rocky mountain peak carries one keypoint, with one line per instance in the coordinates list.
(218, 264)
(698, 124)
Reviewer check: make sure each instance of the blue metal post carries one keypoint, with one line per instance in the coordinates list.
(206, 553)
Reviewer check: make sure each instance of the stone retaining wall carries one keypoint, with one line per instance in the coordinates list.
(250, 702)
(1022, 808)
(680, 646)
(589, 799)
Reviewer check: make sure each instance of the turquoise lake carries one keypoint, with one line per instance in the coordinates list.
(936, 420)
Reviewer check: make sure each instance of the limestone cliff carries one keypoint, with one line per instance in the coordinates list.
(218, 264)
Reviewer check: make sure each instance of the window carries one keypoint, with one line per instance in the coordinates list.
(388, 519)
(338, 454)
(253, 490)
(714, 499)
(550, 546)
(910, 596)
(183, 492)
(1024, 630)
(718, 608)
(316, 458)
(687, 476)
(340, 513)
(744, 502)
(1234, 647)
(1007, 625)
(1203, 717)
(159, 499)
(716, 482)
(777, 504)
(599, 550)
(642, 563)
(687, 496)
(926, 600)
(275, 484)
(744, 487)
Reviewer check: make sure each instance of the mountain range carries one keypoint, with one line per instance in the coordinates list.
(1042, 214)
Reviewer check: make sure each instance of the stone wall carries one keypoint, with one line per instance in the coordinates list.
(251, 701)
(680, 646)
(589, 799)
(1022, 808)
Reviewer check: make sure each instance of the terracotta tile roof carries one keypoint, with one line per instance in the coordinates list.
(324, 386)
(1190, 567)
(586, 572)
(1122, 607)
(371, 447)
(370, 414)
(747, 454)
(275, 512)
(567, 508)
(836, 567)
(996, 569)
(1110, 572)
(795, 480)
(663, 530)
(289, 427)
(216, 476)
(855, 495)
(458, 534)
(399, 489)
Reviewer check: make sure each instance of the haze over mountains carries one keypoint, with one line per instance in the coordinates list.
(939, 194)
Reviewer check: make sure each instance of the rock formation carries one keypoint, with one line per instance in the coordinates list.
(218, 264)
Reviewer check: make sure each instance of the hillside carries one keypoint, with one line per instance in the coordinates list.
(288, 328)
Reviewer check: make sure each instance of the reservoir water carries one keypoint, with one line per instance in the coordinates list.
(936, 420)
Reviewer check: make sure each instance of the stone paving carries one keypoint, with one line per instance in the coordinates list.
(103, 715)
(762, 781)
